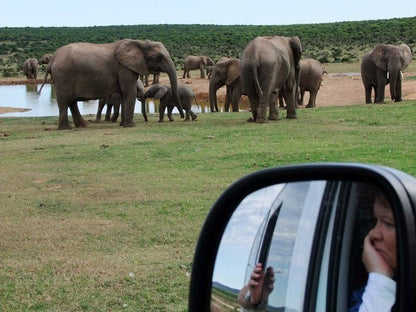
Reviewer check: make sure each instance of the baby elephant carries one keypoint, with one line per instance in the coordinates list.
(164, 93)
(113, 101)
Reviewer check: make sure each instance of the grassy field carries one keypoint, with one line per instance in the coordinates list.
(106, 218)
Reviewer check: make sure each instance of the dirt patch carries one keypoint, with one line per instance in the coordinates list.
(336, 89)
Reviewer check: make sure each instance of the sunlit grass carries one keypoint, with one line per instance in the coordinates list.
(106, 218)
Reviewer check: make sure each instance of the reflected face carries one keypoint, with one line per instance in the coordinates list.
(383, 235)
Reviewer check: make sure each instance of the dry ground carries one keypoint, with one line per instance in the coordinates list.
(336, 89)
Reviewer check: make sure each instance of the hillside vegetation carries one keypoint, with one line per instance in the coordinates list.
(329, 42)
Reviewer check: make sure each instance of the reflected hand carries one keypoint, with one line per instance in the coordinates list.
(261, 284)
(373, 260)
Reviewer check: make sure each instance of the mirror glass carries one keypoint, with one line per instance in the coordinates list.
(277, 226)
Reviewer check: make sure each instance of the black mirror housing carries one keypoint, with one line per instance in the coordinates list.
(399, 186)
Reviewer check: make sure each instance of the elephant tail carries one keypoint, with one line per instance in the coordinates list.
(48, 70)
(259, 91)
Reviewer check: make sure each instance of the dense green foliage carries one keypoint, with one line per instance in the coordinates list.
(330, 42)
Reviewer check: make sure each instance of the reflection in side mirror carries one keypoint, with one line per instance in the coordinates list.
(292, 239)
(270, 238)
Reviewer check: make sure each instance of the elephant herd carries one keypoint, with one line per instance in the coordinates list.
(271, 70)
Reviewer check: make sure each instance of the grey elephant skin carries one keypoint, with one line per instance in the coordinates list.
(113, 102)
(226, 72)
(381, 66)
(145, 79)
(164, 93)
(311, 73)
(30, 68)
(85, 71)
(193, 62)
(45, 59)
(269, 64)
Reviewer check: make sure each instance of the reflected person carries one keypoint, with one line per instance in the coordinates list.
(380, 260)
(253, 296)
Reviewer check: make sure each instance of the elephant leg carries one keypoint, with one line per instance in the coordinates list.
(227, 99)
(116, 109)
(289, 95)
(170, 109)
(162, 107)
(76, 115)
(398, 97)
(108, 112)
(302, 96)
(380, 88)
(187, 115)
(144, 110)
(127, 81)
(254, 104)
(193, 115)
(368, 89)
(281, 101)
(101, 104)
(312, 99)
(63, 121)
(235, 98)
(201, 68)
(273, 110)
(156, 78)
(264, 104)
(379, 94)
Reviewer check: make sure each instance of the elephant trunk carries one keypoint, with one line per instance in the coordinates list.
(395, 85)
(213, 96)
(174, 86)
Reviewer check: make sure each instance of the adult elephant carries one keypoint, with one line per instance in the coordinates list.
(381, 66)
(226, 73)
(269, 64)
(45, 59)
(30, 68)
(164, 93)
(85, 71)
(311, 73)
(193, 62)
(113, 102)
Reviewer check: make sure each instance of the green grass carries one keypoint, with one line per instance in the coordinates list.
(106, 218)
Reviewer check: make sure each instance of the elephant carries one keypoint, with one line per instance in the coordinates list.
(113, 101)
(381, 66)
(226, 72)
(145, 79)
(311, 73)
(164, 93)
(209, 71)
(85, 71)
(45, 59)
(269, 64)
(196, 62)
(30, 68)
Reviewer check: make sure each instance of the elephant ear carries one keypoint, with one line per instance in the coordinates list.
(160, 92)
(131, 54)
(378, 55)
(233, 71)
(405, 55)
(296, 46)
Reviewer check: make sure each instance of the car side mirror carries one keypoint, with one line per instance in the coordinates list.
(315, 208)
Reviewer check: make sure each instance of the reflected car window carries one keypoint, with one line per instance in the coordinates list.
(291, 243)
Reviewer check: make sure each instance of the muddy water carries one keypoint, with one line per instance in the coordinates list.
(44, 104)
